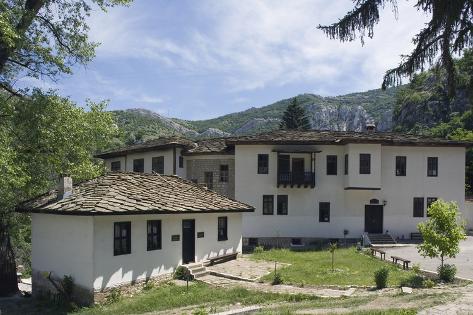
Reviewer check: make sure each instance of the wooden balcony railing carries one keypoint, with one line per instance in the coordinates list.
(296, 179)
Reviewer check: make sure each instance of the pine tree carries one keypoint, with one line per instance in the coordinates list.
(295, 117)
(448, 32)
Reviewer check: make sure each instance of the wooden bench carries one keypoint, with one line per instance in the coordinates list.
(381, 252)
(405, 262)
(222, 258)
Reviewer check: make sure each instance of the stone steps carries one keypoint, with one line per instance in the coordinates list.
(197, 270)
(377, 239)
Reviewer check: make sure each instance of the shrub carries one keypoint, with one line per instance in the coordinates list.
(180, 273)
(416, 269)
(68, 286)
(447, 272)
(428, 283)
(200, 311)
(114, 296)
(381, 277)
(258, 249)
(414, 281)
(277, 279)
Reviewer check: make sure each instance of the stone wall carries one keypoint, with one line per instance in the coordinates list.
(196, 169)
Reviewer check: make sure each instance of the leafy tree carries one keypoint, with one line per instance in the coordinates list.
(448, 32)
(295, 117)
(442, 233)
(42, 137)
(44, 38)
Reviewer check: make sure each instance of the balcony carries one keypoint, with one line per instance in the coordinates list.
(298, 179)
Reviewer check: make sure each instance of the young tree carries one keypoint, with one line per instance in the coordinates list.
(443, 231)
(295, 117)
(448, 32)
(44, 38)
(331, 249)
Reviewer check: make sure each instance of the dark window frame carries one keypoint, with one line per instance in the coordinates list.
(401, 165)
(282, 204)
(263, 163)
(332, 164)
(324, 211)
(224, 173)
(346, 164)
(154, 235)
(429, 201)
(157, 164)
(113, 166)
(124, 242)
(432, 166)
(222, 228)
(418, 207)
(209, 183)
(268, 205)
(181, 161)
(365, 163)
(137, 167)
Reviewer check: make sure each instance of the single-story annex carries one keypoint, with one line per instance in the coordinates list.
(125, 227)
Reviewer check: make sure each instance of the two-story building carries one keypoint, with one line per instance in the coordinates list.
(309, 185)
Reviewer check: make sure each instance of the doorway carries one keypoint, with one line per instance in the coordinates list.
(188, 241)
(374, 219)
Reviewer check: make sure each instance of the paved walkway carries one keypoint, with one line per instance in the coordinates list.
(463, 305)
(224, 282)
(463, 261)
(244, 267)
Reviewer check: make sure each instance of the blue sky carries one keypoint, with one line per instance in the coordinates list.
(202, 59)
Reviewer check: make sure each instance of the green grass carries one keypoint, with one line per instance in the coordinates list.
(166, 297)
(314, 267)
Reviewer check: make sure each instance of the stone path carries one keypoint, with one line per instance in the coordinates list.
(244, 267)
(223, 282)
(462, 305)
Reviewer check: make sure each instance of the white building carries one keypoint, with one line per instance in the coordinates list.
(126, 227)
(315, 185)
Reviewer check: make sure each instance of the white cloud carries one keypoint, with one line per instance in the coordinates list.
(253, 44)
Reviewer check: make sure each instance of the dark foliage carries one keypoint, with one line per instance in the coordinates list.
(295, 117)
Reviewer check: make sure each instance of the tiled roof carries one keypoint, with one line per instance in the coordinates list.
(134, 193)
(342, 137)
(160, 143)
(212, 146)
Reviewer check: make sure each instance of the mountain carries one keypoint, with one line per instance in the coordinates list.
(345, 112)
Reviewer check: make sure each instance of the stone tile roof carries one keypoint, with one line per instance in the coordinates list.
(211, 146)
(159, 143)
(134, 193)
(342, 137)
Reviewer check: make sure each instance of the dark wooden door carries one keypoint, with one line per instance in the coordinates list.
(188, 241)
(298, 170)
(374, 219)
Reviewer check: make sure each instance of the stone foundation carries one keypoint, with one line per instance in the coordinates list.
(302, 243)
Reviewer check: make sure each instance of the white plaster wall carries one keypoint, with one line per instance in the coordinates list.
(355, 179)
(113, 270)
(63, 244)
(468, 214)
(122, 159)
(347, 206)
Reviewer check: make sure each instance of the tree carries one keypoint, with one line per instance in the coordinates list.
(294, 117)
(44, 38)
(443, 232)
(448, 32)
(332, 247)
(42, 137)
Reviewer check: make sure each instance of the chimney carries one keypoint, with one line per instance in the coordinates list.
(64, 188)
(370, 127)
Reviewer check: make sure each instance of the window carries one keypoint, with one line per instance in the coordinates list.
(346, 164)
(268, 204)
(263, 161)
(157, 164)
(154, 235)
(432, 166)
(331, 165)
(209, 180)
(324, 211)
(139, 165)
(418, 207)
(400, 166)
(181, 161)
(222, 228)
(224, 173)
(121, 238)
(365, 163)
(430, 201)
(115, 166)
(282, 204)
(296, 242)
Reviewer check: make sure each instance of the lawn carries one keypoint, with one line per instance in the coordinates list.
(314, 267)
